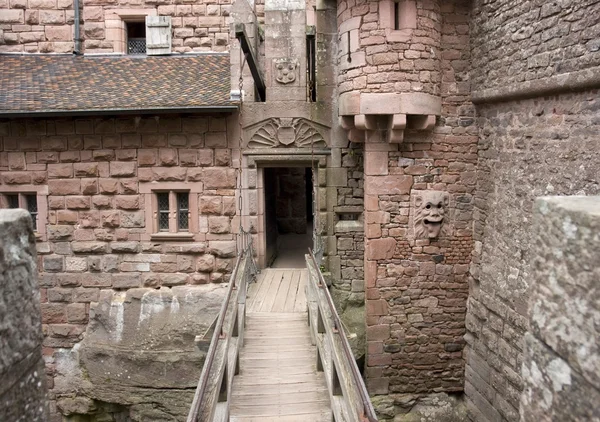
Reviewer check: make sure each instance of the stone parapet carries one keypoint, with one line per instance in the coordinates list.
(23, 387)
(561, 363)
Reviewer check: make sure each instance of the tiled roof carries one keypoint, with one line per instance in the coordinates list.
(73, 84)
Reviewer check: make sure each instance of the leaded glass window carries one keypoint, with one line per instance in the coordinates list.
(163, 211)
(27, 201)
(13, 201)
(183, 209)
(172, 211)
(31, 203)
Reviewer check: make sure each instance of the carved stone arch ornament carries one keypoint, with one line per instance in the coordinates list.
(278, 132)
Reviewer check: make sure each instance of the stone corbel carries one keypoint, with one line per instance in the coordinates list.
(363, 113)
(396, 128)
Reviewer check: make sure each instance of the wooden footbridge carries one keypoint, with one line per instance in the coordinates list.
(278, 353)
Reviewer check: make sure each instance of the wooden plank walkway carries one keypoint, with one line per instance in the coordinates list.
(278, 290)
(278, 380)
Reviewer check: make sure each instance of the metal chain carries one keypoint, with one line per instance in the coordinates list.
(315, 202)
(239, 171)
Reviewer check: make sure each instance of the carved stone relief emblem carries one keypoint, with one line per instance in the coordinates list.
(430, 214)
(281, 131)
(285, 70)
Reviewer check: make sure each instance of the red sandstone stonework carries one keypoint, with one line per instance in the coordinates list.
(416, 289)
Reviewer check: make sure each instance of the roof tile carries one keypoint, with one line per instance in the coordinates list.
(46, 84)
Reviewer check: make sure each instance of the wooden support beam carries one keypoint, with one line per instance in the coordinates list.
(240, 34)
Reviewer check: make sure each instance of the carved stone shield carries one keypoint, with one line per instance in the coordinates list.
(285, 71)
(286, 133)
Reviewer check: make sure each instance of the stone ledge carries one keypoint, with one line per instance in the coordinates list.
(172, 237)
(575, 81)
(363, 113)
(379, 103)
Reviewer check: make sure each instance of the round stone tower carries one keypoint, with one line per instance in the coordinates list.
(389, 65)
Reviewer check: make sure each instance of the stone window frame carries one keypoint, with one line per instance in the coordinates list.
(407, 19)
(115, 21)
(41, 193)
(149, 191)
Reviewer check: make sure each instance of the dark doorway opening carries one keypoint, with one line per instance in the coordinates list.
(288, 215)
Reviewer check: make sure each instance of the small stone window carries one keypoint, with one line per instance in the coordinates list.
(136, 37)
(398, 18)
(172, 210)
(27, 201)
(30, 198)
(138, 31)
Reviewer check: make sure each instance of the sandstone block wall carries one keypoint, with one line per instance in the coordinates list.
(46, 26)
(371, 59)
(349, 226)
(528, 146)
(561, 364)
(97, 236)
(23, 387)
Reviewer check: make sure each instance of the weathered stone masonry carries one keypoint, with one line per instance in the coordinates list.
(23, 389)
(536, 138)
(416, 288)
(96, 235)
(47, 26)
(473, 108)
(561, 363)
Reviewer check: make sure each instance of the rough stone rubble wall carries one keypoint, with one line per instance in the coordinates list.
(46, 26)
(350, 244)
(515, 42)
(93, 169)
(23, 387)
(561, 365)
(527, 148)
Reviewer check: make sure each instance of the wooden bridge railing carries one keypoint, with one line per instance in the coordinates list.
(211, 401)
(349, 397)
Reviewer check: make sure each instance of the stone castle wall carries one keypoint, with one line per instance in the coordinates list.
(536, 138)
(416, 288)
(528, 148)
(46, 26)
(516, 42)
(97, 173)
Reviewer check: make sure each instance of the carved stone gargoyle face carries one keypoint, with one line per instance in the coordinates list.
(430, 211)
